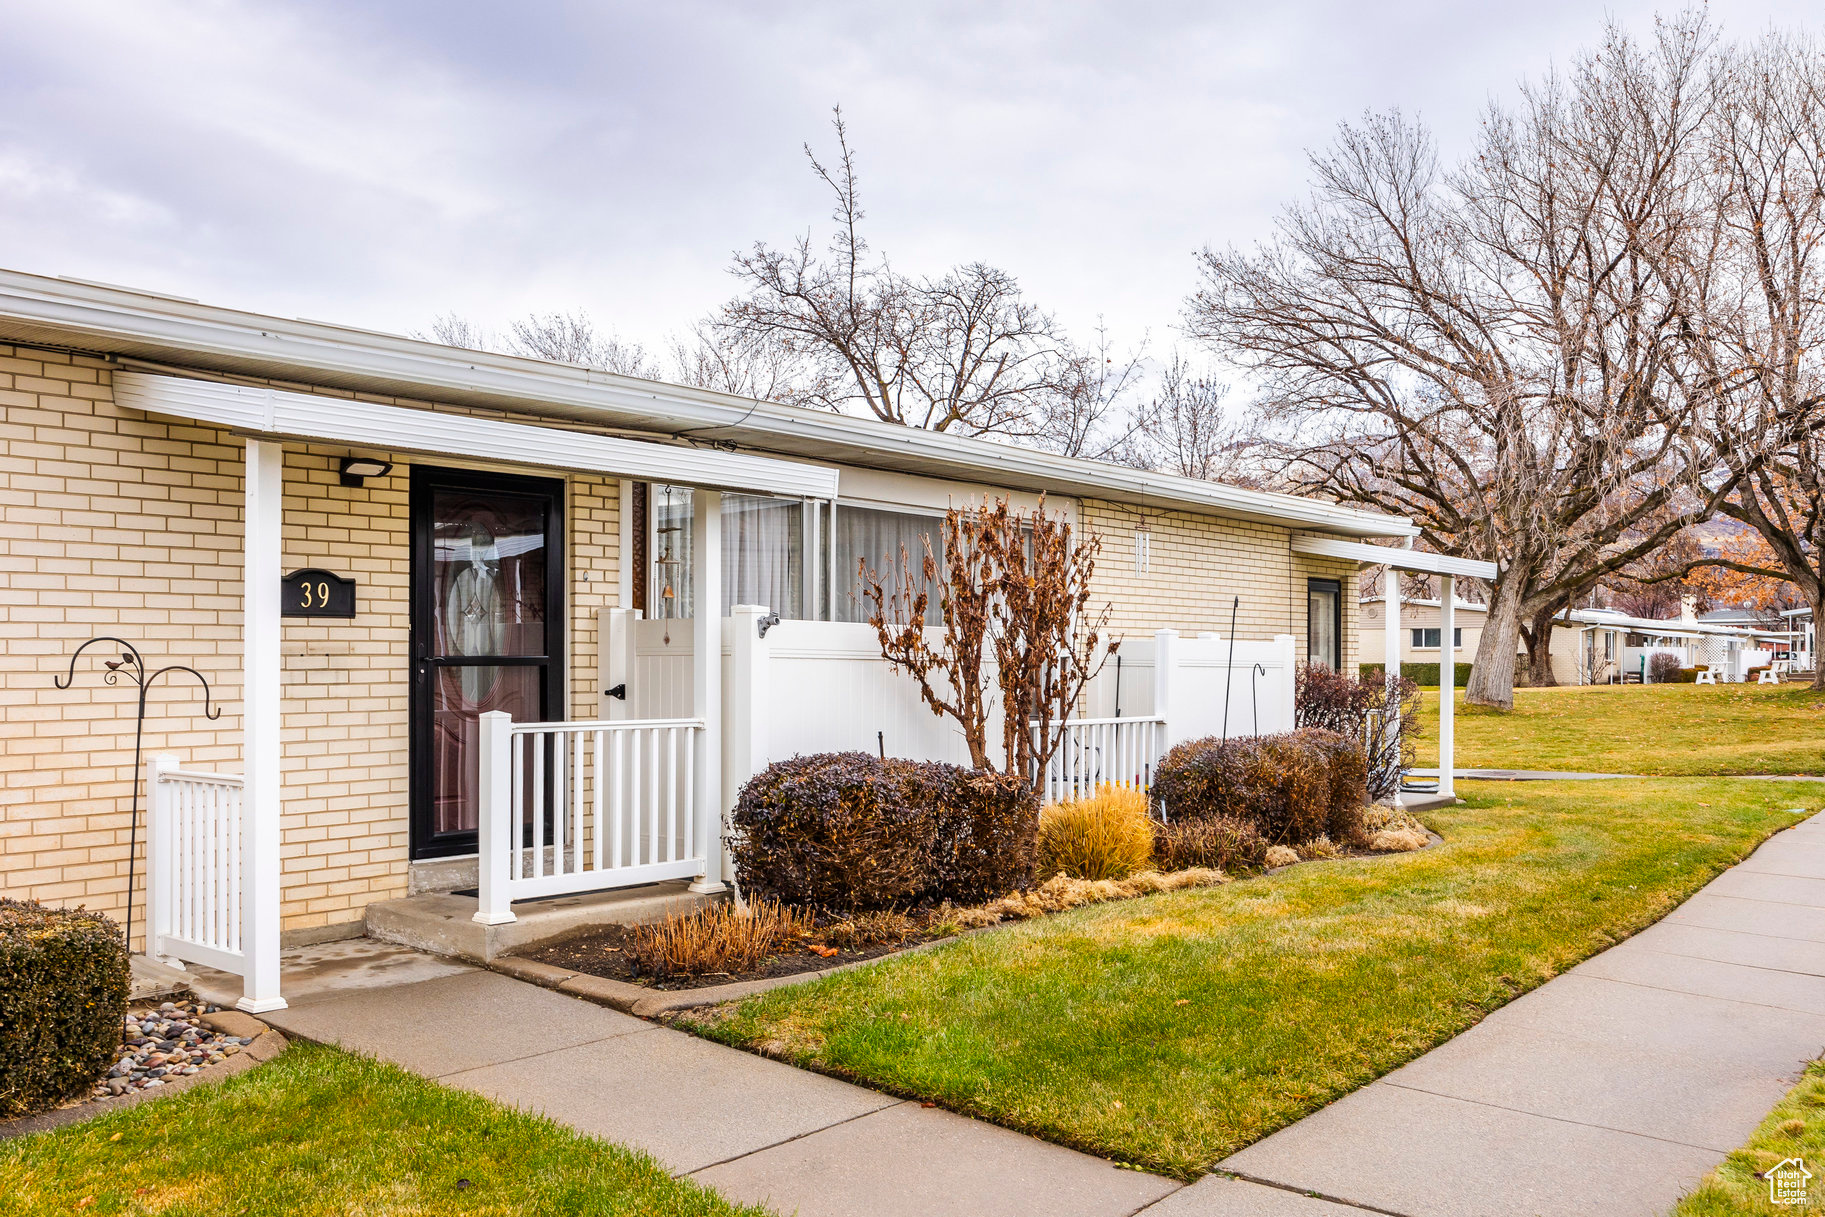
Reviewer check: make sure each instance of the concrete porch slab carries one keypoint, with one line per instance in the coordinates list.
(911, 1161)
(687, 1102)
(453, 1023)
(443, 923)
(308, 974)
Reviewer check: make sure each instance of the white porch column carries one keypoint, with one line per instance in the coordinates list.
(1391, 645)
(706, 681)
(262, 568)
(497, 846)
(1175, 728)
(1447, 685)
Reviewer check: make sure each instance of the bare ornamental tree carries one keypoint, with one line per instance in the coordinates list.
(1014, 596)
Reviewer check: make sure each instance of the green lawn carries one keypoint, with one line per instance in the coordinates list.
(321, 1132)
(1666, 730)
(1795, 1129)
(1172, 1030)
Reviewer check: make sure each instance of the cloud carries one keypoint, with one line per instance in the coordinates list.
(379, 164)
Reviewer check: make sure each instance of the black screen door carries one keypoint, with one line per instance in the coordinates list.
(487, 633)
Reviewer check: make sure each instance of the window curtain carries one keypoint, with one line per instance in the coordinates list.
(878, 537)
(763, 553)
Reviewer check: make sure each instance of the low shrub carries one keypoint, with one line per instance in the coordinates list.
(1384, 720)
(1105, 836)
(1663, 667)
(1426, 675)
(1281, 855)
(63, 996)
(1221, 843)
(878, 927)
(718, 938)
(848, 832)
(1289, 787)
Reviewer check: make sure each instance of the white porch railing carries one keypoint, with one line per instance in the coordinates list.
(195, 839)
(1098, 750)
(585, 806)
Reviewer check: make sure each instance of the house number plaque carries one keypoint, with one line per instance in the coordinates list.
(317, 593)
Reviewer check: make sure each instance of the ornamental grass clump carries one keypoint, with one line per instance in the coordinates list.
(63, 997)
(720, 938)
(1105, 836)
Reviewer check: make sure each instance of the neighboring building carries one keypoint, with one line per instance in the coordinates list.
(1603, 646)
(1589, 646)
(1420, 640)
(491, 512)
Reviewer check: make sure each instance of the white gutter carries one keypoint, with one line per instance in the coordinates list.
(250, 410)
(121, 321)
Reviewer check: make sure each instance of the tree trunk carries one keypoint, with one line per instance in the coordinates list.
(1538, 637)
(1492, 676)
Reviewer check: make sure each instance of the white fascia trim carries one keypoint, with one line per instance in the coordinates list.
(109, 313)
(1399, 559)
(254, 410)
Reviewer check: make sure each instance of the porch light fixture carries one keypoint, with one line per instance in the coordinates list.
(357, 469)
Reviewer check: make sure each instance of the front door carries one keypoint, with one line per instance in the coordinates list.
(487, 632)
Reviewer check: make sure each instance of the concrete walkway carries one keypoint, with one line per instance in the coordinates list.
(1610, 1090)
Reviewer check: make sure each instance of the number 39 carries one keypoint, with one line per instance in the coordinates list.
(321, 591)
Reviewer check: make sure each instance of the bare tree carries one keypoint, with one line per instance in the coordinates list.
(1014, 589)
(757, 366)
(574, 338)
(1751, 290)
(963, 352)
(456, 331)
(1097, 411)
(559, 337)
(1488, 349)
(1186, 429)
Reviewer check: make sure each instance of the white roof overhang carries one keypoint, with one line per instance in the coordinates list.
(1388, 555)
(281, 413)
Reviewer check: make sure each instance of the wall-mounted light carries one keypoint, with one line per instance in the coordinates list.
(356, 469)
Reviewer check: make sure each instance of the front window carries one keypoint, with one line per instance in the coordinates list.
(763, 554)
(1324, 623)
(878, 538)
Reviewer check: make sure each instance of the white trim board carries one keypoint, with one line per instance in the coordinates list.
(282, 413)
(1387, 555)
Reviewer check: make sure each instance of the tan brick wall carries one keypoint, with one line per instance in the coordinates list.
(111, 522)
(1198, 564)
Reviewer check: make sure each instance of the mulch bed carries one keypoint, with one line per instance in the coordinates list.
(598, 952)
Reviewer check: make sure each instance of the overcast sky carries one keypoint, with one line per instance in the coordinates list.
(378, 163)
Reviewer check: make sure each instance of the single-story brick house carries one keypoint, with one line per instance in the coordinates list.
(457, 527)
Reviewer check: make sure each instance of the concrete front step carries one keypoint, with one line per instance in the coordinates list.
(444, 923)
